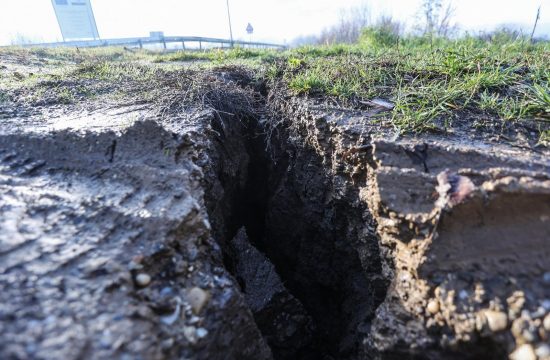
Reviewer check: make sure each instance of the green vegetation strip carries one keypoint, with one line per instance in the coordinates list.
(433, 83)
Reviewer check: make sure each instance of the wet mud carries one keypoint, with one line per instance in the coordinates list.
(315, 235)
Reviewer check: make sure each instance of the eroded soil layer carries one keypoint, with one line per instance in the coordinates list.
(463, 229)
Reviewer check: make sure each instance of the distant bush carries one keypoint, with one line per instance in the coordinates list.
(503, 35)
(385, 33)
(378, 37)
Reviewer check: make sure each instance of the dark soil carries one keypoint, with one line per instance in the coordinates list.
(266, 226)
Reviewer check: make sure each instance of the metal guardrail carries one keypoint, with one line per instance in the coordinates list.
(141, 41)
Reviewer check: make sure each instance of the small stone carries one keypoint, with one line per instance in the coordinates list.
(190, 333)
(529, 335)
(524, 352)
(194, 320)
(543, 351)
(201, 333)
(480, 321)
(496, 320)
(433, 306)
(546, 322)
(166, 291)
(143, 279)
(144, 312)
(135, 264)
(197, 298)
(516, 303)
(518, 326)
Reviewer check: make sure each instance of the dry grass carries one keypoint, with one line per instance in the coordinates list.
(228, 91)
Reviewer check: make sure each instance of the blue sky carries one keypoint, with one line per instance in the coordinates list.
(273, 20)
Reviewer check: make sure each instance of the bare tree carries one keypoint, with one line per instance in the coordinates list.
(435, 18)
(390, 25)
(349, 27)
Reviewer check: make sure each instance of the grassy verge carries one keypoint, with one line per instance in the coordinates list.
(433, 85)
(431, 88)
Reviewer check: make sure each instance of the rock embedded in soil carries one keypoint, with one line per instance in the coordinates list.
(282, 319)
(496, 320)
(524, 352)
(143, 279)
(543, 351)
(198, 298)
(433, 307)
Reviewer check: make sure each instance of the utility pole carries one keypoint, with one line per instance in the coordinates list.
(229, 17)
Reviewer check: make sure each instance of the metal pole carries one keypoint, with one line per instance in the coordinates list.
(229, 18)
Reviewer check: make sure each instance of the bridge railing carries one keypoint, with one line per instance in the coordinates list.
(141, 41)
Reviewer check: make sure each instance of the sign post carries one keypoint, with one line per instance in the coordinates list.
(250, 30)
(76, 19)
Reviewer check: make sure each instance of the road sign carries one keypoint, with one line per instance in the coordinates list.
(156, 34)
(76, 19)
(249, 29)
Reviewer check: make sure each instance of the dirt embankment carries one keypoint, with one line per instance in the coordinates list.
(107, 250)
(313, 235)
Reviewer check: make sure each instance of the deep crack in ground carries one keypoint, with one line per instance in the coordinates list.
(327, 283)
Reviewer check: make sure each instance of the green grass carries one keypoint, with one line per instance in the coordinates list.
(429, 86)
(544, 138)
(434, 83)
(216, 55)
(62, 55)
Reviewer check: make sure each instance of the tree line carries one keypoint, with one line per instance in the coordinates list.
(434, 19)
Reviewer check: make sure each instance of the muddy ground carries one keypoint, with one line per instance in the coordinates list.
(292, 231)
